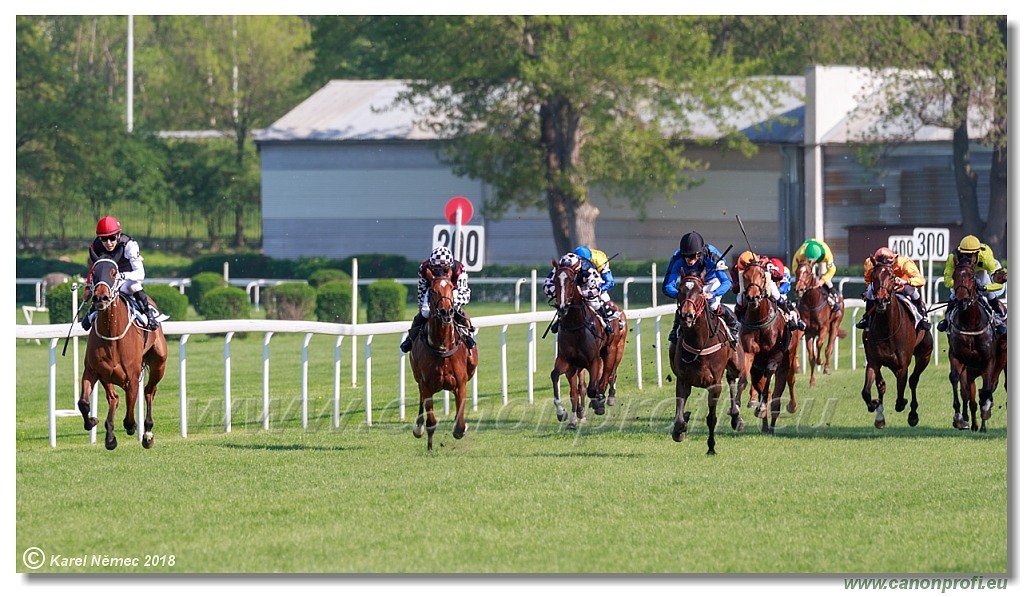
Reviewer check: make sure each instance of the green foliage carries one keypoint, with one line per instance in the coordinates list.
(240, 265)
(291, 300)
(59, 305)
(378, 265)
(169, 300)
(227, 302)
(200, 284)
(385, 301)
(322, 276)
(334, 302)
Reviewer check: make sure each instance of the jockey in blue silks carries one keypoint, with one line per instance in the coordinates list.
(697, 258)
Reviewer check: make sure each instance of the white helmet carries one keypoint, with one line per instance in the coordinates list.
(569, 260)
(441, 256)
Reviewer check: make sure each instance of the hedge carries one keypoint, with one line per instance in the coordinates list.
(334, 302)
(228, 302)
(291, 300)
(385, 301)
(201, 284)
(169, 300)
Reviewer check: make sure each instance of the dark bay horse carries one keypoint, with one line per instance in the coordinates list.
(118, 350)
(823, 324)
(441, 360)
(700, 357)
(975, 350)
(768, 347)
(892, 340)
(586, 355)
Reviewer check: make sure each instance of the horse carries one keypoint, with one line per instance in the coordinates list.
(891, 340)
(583, 348)
(118, 351)
(975, 350)
(441, 360)
(699, 358)
(768, 347)
(823, 323)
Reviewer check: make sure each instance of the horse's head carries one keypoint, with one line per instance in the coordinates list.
(567, 291)
(883, 279)
(105, 279)
(805, 278)
(442, 295)
(965, 285)
(690, 302)
(755, 283)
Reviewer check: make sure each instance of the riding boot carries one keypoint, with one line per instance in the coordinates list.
(923, 310)
(944, 324)
(672, 335)
(997, 320)
(732, 322)
(554, 325)
(869, 306)
(835, 298)
(414, 330)
(740, 310)
(152, 315)
(463, 321)
(793, 320)
(610, 319)
(87, 320)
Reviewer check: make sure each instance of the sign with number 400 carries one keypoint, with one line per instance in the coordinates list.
(469, 249)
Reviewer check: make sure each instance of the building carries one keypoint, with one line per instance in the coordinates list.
(344, 173)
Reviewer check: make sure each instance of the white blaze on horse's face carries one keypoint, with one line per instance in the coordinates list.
(563, 279)
(689, 285)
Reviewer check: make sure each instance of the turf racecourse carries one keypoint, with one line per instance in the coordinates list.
(519, 494)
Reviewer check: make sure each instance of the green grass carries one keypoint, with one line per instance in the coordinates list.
(827, 494)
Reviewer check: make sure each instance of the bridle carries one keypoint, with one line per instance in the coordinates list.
(104, 302)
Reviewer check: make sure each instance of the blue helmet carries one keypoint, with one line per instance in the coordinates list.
(583, 252)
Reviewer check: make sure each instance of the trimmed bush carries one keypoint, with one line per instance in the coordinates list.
(169, 300)
(334, 302)
(377, 265)
(201, 284)
(385, 301)
(291, 300)
(227, 302)
(58, 301)
(322, 276)
(241, 265)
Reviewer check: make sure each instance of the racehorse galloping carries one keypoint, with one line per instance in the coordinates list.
(583, 348)
(440, 359)
(975, 350)
(823, 324)
(701, 355)
(891, 340)
(117, 351)
(768, 347)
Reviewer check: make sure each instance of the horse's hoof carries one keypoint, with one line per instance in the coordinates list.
(147, 440)
(959, 424)
(571, 426)
(872, 406)
(90, 423)
(826, 371)
(767, 431)
(880, 424)
(901, 403)
(912, 420)
(562, 415)
(711, 452)
(459, 434)
(598, 405)
(610, 401)
(752, 404)
(111, 443)
(129, 430)
(791, 407)
(738, 424)
(417, 432)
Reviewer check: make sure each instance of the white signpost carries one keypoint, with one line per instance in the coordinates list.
(923, 245)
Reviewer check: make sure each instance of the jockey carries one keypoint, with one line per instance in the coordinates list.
(819, 254)
(696, 258)
(747, 258)
(111, 243)
(909, 282)
(987, 271)
(782, 278)
(598, 260)
(442, 263)
(589, 283)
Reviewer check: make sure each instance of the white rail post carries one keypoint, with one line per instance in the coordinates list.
(305, 380)
(53, 392)
(533, 330)
(355, 313)
(369, 385)
(639, 365)
(504, 364)
(227, 376)
(182, 397)
(266, 380)
(401, 381)
(336, 420)
(657, 347)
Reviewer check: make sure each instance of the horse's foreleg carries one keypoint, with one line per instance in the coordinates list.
(712, 419)
(959, 418)
(89, 378)
(431, 421)
(682, 416)
(417, 428)
(921, 361)
(972, 399)
(155, 364)
(110, 441)
(131, 395)
(460, 412)
(594, 390)
(556, 373)
(811, 358)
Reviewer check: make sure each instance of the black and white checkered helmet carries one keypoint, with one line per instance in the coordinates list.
(441, 257)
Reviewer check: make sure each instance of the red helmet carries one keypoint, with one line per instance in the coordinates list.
(884, 255)
(107, 226)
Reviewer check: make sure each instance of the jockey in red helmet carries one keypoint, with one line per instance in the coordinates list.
(111, 243)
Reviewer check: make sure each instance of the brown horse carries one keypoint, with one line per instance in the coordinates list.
(117, 351)
(700, 357)
(441, 360)
(768, 347)
(823, 323)
(975, 350)
(890, 341)
(583, 349)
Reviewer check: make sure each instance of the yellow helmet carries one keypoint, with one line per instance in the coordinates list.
(746, 258)
(970, 244)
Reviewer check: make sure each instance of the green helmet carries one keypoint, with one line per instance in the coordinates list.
(814, 250)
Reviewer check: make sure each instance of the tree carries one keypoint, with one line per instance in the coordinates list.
(543, 108)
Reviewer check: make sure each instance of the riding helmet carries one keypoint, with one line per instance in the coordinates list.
(569, 260)
(441, 257)
(884, 255)
(107, 226)
(691, 243)
(814, 251)
(584, 252)
(970, 244)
